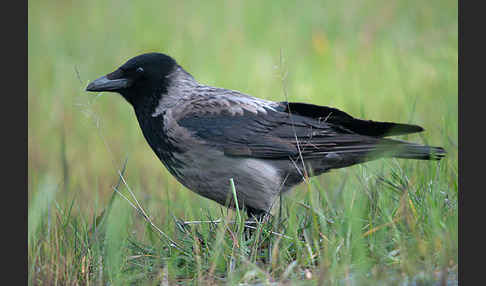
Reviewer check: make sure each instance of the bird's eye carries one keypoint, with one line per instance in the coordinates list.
(139, 70)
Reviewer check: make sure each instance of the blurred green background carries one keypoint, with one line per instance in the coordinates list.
(375, 59)
(380, 60)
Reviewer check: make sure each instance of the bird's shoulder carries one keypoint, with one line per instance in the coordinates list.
(211, 114)
(213, 101)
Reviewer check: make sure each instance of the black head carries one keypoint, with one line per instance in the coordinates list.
(141, 76)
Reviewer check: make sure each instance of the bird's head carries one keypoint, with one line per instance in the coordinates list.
(141, 76)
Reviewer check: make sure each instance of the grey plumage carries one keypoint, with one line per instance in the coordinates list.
(206, 135)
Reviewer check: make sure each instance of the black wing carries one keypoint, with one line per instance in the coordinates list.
(358, 126)
(285, 130)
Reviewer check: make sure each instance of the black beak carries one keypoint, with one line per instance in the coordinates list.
(105, 84)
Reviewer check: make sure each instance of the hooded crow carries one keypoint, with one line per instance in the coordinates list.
(206, 135)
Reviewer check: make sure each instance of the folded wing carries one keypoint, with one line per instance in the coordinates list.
(288, 130)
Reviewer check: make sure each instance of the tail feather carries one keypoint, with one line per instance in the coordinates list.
(420, 152)
(361, 149)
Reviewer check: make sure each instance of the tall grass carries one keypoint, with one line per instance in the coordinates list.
(384, 222)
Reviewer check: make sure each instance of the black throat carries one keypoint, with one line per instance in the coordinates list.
(154, 131)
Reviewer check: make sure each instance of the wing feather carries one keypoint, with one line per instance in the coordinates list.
(263, 129)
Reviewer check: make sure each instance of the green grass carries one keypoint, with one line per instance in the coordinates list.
(387, 222)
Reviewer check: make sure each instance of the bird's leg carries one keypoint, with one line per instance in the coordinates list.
(256, 216)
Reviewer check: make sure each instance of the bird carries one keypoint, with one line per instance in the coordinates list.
(207, 135)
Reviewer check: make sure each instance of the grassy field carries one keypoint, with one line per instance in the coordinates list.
(387, 222)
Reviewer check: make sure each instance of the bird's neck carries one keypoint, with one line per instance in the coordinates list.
(180, 87)
(153, 129)
(151, 115)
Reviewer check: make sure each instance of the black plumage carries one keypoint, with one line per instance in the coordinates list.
(206, 135)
